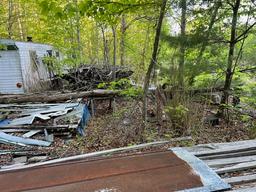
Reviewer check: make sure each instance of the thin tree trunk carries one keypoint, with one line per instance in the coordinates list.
(114, 51)
(145, 48)
(183, 4)
(20, 24)
(105, 46)
(229, 72)
(122, 41)
(97, 45)
(78, 35)
(153, 60)
(10, 22)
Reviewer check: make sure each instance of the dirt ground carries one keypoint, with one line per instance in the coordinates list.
(124, 127)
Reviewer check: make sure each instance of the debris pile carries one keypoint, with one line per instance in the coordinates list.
(50, 119)
(34, 125)
(43, 122)
(88, 77)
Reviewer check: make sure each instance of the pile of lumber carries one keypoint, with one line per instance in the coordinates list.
(88, 77)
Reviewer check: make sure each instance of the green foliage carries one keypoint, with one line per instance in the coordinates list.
(53, 64)
(3, 47)
(177, 112)
(74, 27)
(127, 89)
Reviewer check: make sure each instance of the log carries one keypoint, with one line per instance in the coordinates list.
(48, 98)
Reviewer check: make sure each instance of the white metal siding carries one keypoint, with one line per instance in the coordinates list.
(32, 78)
(10, 72)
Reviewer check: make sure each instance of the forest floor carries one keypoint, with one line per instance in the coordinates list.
(124, 127)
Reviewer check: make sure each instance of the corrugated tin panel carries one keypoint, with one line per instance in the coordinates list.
(10, 72)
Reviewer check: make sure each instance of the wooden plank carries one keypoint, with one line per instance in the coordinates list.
(228, 161)
(226, 151)
(211, 146)
(241, 179)
(245, 190)
(229, 155)
(238, 167)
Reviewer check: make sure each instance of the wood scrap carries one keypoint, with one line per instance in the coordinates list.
(88, 77)
(56, 97)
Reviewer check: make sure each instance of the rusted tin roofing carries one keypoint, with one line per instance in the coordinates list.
(159, 171)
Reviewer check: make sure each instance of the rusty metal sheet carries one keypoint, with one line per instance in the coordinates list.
(159, 171)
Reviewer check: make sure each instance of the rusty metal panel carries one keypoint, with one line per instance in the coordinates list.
(159, 171)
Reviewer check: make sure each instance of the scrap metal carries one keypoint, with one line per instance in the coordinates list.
(156, 171)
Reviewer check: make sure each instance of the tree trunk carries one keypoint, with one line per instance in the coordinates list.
(78, 35)
(122, 41)
(229, 72)
(20, 24)
(183, 4)
(153, 60)
(144, 50)
(10, 22)
(114, 51)
(105, 46)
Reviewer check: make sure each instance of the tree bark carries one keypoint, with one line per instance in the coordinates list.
(144, 50)
(122, 41)
(20, 23)
(10, 17)
(114, 51)
(105, 46)
(229, 72)
(153, 60)
(78, 34)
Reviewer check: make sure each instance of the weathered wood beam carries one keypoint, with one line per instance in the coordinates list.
(230, 155)
(241, 179)
(225, 151)
(250, 189)
(237, 167)
(229, 161)
(57, 97)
